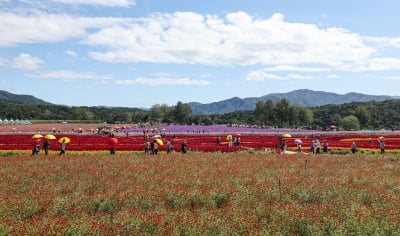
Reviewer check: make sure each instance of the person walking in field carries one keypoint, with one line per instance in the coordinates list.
(146, 146)
(299, 147)
(35, 149)
(317, 146)
(382, 146)
(63, 147)
(184, 146)
(169, 146)
(46, 147)
(353, 148)
(325, 146)
(312, 146)
(154, 147)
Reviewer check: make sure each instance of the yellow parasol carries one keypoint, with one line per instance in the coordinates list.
(49, 136)
(36, 136)
(64, 139)
(159, 141)
(286, 136)
(229, 137)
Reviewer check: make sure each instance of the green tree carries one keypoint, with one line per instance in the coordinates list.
(270, 112)
(336, 120)
(350, 123)
(304, 116)
(161, 113)
(182, 113)
(362, 115)
(260, 113)
(123, 117)
(282, 112)
(82, 113)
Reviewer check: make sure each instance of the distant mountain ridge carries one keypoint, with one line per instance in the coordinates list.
(4, 95)
(303, 97)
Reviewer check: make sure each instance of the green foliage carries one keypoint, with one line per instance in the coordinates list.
(221, 199)
(355, 115)
(350, 123)
(10, 153)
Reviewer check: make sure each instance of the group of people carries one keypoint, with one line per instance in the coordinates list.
(152, 147)
(381, 143)
(46, 147)
(315, 146)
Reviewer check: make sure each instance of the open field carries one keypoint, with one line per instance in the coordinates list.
(200, 193)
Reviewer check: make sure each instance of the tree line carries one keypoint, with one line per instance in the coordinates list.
(269, 113)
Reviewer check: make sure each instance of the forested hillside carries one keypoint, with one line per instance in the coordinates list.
(304, 97)
(4, 95)
(280, 113)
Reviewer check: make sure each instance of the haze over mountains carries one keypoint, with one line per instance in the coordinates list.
(303, 97)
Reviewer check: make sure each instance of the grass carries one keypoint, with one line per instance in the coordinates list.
(200, 194)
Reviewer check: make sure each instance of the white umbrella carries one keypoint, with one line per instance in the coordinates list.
(298, 141)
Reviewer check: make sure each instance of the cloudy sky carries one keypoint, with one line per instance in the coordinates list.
(138, 53)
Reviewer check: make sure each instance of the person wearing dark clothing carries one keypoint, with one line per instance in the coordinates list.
(46, 147)
(184, 146)
(353, 148)
(155, 147)
(35, 149)
(152, 147)
(112, 150)
(325, 146)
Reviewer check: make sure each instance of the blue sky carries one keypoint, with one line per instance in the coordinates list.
(138, 53)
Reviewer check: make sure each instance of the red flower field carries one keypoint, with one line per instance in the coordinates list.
(211, 190)
(201, 142)
(200, 194)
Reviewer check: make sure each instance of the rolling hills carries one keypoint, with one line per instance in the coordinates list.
(303, 97)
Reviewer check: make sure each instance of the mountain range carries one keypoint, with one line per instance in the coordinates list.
(303, 97)
(4, 95)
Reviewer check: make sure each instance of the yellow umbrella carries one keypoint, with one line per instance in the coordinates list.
(229, 137)
(286, 136)
(159, 141)
(64, 139)
(50, 136)
(36, 136)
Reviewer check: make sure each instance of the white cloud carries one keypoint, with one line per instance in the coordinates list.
(187, 37)
(333, 76)
(71, 53)
(41, 27)
(67, 75)
(163, 81)
(296, 76)
(393, 77)
(262, 75)
(296, 68)
(25, 61)
(105, 3)
(384, 41)
(3, 61)
(372, 64)
(191, 38)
